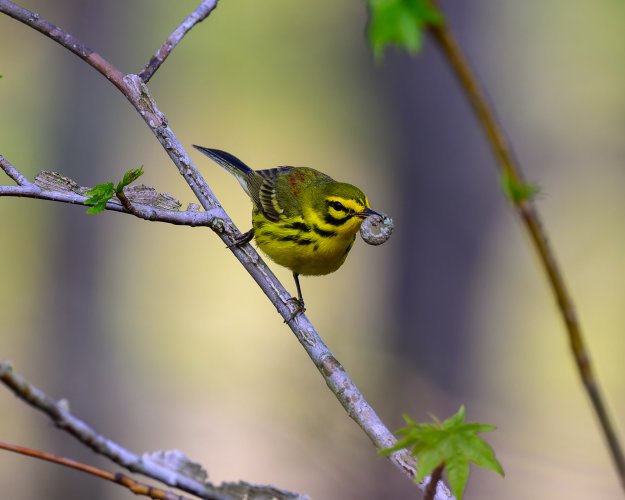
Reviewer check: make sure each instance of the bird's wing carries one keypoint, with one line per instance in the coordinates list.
(268, 192)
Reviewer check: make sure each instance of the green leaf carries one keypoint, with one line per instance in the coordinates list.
(129, 177)
(457, 470)
(428, 461)
(400, 23)
(518, 191)
(456, 420)
(99, 197)
(474, 427)
(480, 452)
(453, 443)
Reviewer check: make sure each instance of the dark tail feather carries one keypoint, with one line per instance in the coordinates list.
(226, 160)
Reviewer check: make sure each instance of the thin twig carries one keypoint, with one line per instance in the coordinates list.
(334, 374)
(126, 204)
(435, 477)
(134, 486)
(198, 15)
(13, 173)
(63, 419)
(528, 213)
(68, 41)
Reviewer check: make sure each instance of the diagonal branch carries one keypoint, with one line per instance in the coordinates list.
(334, 374)
(198, 15)
(13, 173)
(526, 209)
(134, 486)
(68, 41)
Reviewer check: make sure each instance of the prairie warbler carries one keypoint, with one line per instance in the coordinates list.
(302, 219)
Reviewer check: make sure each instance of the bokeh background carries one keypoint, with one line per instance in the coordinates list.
(159, 339)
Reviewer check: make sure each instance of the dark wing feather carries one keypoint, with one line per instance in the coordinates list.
(267, 192)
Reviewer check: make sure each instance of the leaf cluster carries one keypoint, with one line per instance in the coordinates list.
(452, 443)
(400, 23)
(100, 195)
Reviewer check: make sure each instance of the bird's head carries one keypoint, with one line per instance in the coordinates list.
(341, 207)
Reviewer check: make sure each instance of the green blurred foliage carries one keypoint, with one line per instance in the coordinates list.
(401, 23)
(516, 191)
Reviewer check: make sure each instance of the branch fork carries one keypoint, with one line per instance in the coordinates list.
(134, 89)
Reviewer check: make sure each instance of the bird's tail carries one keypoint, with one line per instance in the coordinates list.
(231, 163)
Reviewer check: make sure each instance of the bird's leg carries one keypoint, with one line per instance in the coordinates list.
(299, 301)
(242, 239)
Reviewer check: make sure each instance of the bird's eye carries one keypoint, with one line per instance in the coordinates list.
(338, 206)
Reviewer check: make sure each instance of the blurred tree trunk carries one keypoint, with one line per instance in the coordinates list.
(449, 192)
(77, 350)
(444, 177)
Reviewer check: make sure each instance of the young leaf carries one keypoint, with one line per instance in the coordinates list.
(102, 193)
(518, 191)
(129, 177)
(99, 197)
(400, 22)
(453, 443)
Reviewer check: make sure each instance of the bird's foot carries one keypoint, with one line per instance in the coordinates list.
(299, 308)
(242, 239)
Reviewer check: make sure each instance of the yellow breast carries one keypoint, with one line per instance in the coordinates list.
(305, 245)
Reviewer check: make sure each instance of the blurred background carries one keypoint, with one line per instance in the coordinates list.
(158, 337)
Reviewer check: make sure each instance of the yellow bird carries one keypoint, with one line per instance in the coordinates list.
(302, 219)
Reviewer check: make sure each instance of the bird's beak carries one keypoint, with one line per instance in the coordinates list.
(367, 212)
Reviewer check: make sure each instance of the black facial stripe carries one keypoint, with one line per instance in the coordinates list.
(333, 221)
(324, 233)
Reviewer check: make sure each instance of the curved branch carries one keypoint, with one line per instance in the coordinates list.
(526, 209)
(198, 15)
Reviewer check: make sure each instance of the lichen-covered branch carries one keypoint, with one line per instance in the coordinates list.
(64, 190)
